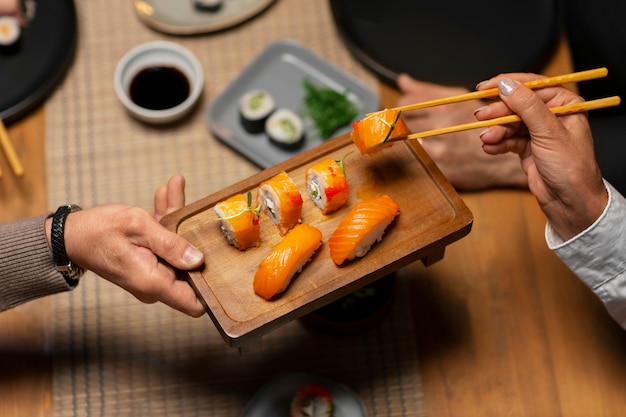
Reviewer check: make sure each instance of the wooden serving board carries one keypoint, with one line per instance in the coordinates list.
(432, 216)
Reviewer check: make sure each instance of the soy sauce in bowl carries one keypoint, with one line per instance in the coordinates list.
(158, 82)
(159, 88)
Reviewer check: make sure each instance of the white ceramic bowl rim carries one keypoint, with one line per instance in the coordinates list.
(155, 53)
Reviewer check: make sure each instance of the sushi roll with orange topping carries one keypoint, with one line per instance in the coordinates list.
(363, 226)
(312, 400)
(371, 133)
(327, 185)
(239, 221)
(286, 260)
(281, 200)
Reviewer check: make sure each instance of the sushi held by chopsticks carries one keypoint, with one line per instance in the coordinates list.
(375, 130)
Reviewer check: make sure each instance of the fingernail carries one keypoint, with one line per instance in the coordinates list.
(192, 255)
(479, 84)
(506, 86)
(478, 110)
(484, 132)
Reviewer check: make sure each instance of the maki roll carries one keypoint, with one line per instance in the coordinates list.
(312, 400)
(285, 129)
(280, 198)
(254, 108)
(10, 32)
(372, 132)
(239, 222)
(363, 226)
(326, 184)
(208, 5)
(287, 259)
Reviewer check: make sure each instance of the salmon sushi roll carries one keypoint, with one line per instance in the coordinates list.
(363, 226)
(286, 260)
(281, 200)
(239, 222)
(371, 133)
(313, 400)
(327, 185)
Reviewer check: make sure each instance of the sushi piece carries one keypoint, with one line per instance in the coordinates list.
(285, 129)
(280, 198)
(363, 226)
(22, 10)
(286, 260)
(239, 221)
(327, 185)
(208, 5)
(254, 108)
(10, 32)
(371, 133)
(312, 400)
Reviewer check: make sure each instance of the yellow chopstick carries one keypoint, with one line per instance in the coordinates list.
(493, 92)
(559, 111)
(9, 151)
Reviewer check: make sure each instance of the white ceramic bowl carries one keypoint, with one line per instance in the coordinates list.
(158, 53)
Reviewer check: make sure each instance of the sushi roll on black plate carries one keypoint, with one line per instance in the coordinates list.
(285, 129)
(254, 108)
(10, 32)
(208, 5)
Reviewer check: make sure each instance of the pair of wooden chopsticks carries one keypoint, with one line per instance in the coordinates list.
(493, 92)
(9, 151)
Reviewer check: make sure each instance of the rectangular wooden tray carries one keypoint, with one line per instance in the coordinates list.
(432, 216)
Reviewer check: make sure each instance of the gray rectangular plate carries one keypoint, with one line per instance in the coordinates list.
(281, 69)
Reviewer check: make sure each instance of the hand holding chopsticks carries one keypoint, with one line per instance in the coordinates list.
(558, 111)
(9, 151)
(493, 92)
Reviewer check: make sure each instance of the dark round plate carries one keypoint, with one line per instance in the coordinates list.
(30, 71)
(450, 42)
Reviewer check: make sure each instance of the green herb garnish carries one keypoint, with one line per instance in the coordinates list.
(328, 108)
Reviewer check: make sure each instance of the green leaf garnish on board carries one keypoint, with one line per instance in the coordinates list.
(328, 108)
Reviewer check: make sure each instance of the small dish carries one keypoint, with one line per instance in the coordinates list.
(274, 397)
(147, 57)
(182, 18)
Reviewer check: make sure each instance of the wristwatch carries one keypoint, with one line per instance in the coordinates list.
(65, 266)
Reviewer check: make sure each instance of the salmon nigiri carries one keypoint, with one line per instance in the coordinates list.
(363, 226)
(280, 198)
(327, 184)
(374, 130)
(239, 221)
(287, 259)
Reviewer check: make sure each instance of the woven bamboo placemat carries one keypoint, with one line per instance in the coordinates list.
(114, 356)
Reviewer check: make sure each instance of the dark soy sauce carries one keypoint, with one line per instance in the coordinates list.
(159, 88)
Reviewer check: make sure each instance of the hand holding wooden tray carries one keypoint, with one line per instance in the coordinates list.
(432, 216)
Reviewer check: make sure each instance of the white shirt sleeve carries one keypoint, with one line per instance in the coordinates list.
(597, 255)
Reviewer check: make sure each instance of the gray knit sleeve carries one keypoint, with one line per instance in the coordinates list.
(27, 270)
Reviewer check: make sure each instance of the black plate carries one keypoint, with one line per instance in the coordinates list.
(29, 73)
(451, 42)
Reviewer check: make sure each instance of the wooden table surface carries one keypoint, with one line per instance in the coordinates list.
(502, 327)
